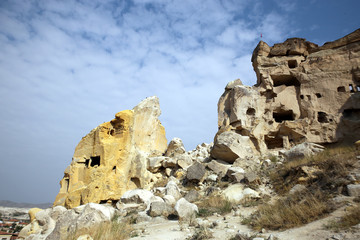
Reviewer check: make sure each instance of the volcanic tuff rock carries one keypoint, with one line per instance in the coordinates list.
(303, 93)
(112, 158)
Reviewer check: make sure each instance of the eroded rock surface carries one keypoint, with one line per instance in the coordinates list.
(112, 158)
(303, 93)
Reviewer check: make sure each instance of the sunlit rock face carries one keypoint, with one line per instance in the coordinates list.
(303, 93)
(112, 158)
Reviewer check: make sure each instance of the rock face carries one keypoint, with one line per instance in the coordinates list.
(112, 158)
(303, 93)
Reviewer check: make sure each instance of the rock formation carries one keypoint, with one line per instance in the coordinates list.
(112, 158)
(303, 93)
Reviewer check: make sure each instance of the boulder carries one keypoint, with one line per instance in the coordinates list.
(185, 210)
(236, 193)
(160, 209)
(154, 163)
(303, 150)
(137, 196)
(169, 199)
(229, 146)
(184, 161)
(219, 167)
(175, 147)
(173, 190)
(353, 190)
(169, 162)
(192, 196)
(113, 158)
(196, 172)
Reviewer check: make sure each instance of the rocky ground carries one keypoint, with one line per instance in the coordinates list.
(202, 198)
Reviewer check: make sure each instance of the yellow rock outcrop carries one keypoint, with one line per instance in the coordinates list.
(112, 158)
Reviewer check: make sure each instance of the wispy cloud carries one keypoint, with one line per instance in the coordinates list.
(67, 66)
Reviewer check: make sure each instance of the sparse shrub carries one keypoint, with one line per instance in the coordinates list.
(291, 211)
(113, 230)
(350, 219)
(332, 164)
(214, 204)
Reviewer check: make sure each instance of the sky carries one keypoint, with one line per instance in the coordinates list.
(68, 66)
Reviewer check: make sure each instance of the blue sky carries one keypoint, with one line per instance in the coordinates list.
(68, 66)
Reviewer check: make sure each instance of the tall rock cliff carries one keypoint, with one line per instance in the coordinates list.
(303, 93)
(112, 158)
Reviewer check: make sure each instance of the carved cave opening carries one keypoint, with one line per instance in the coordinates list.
(341, 89)
(318, 95)
(287, 80)
(281, 116)
(66, 184)
(292, 63)
(273, 142)
(95, 161)
(352, 114)
(322, 117)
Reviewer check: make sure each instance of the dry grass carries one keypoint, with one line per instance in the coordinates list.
(291, 211)
(324, 175)
(114, 230)
(214, 204)
(350, 219)
(332, 164)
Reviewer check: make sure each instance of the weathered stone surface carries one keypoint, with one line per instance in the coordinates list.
(229, 146)
(173, 190)
(169, 199)
(236, 193)
(304, 93)
(184, 161)
(137, 196)
(112, 158)
(154, 163)
(160, 209)
(175, 147)
(303, 150)
(219, 167)
(192, 196)
(196, 172)
(236, 174)
(353, 190)
(185, 210)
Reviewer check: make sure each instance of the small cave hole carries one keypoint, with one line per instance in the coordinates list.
(341, 89)
(301, 96)
(351, 88)
(283, 116)
(250, 111)
(292, 63)
(66, 184)
(322, 117)
(308, 97)
(95, 161)
(114, 169)
(274, 142)
(112, 132)
(318, 95)
(287, 80)
(136, 181)
(87, 161)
